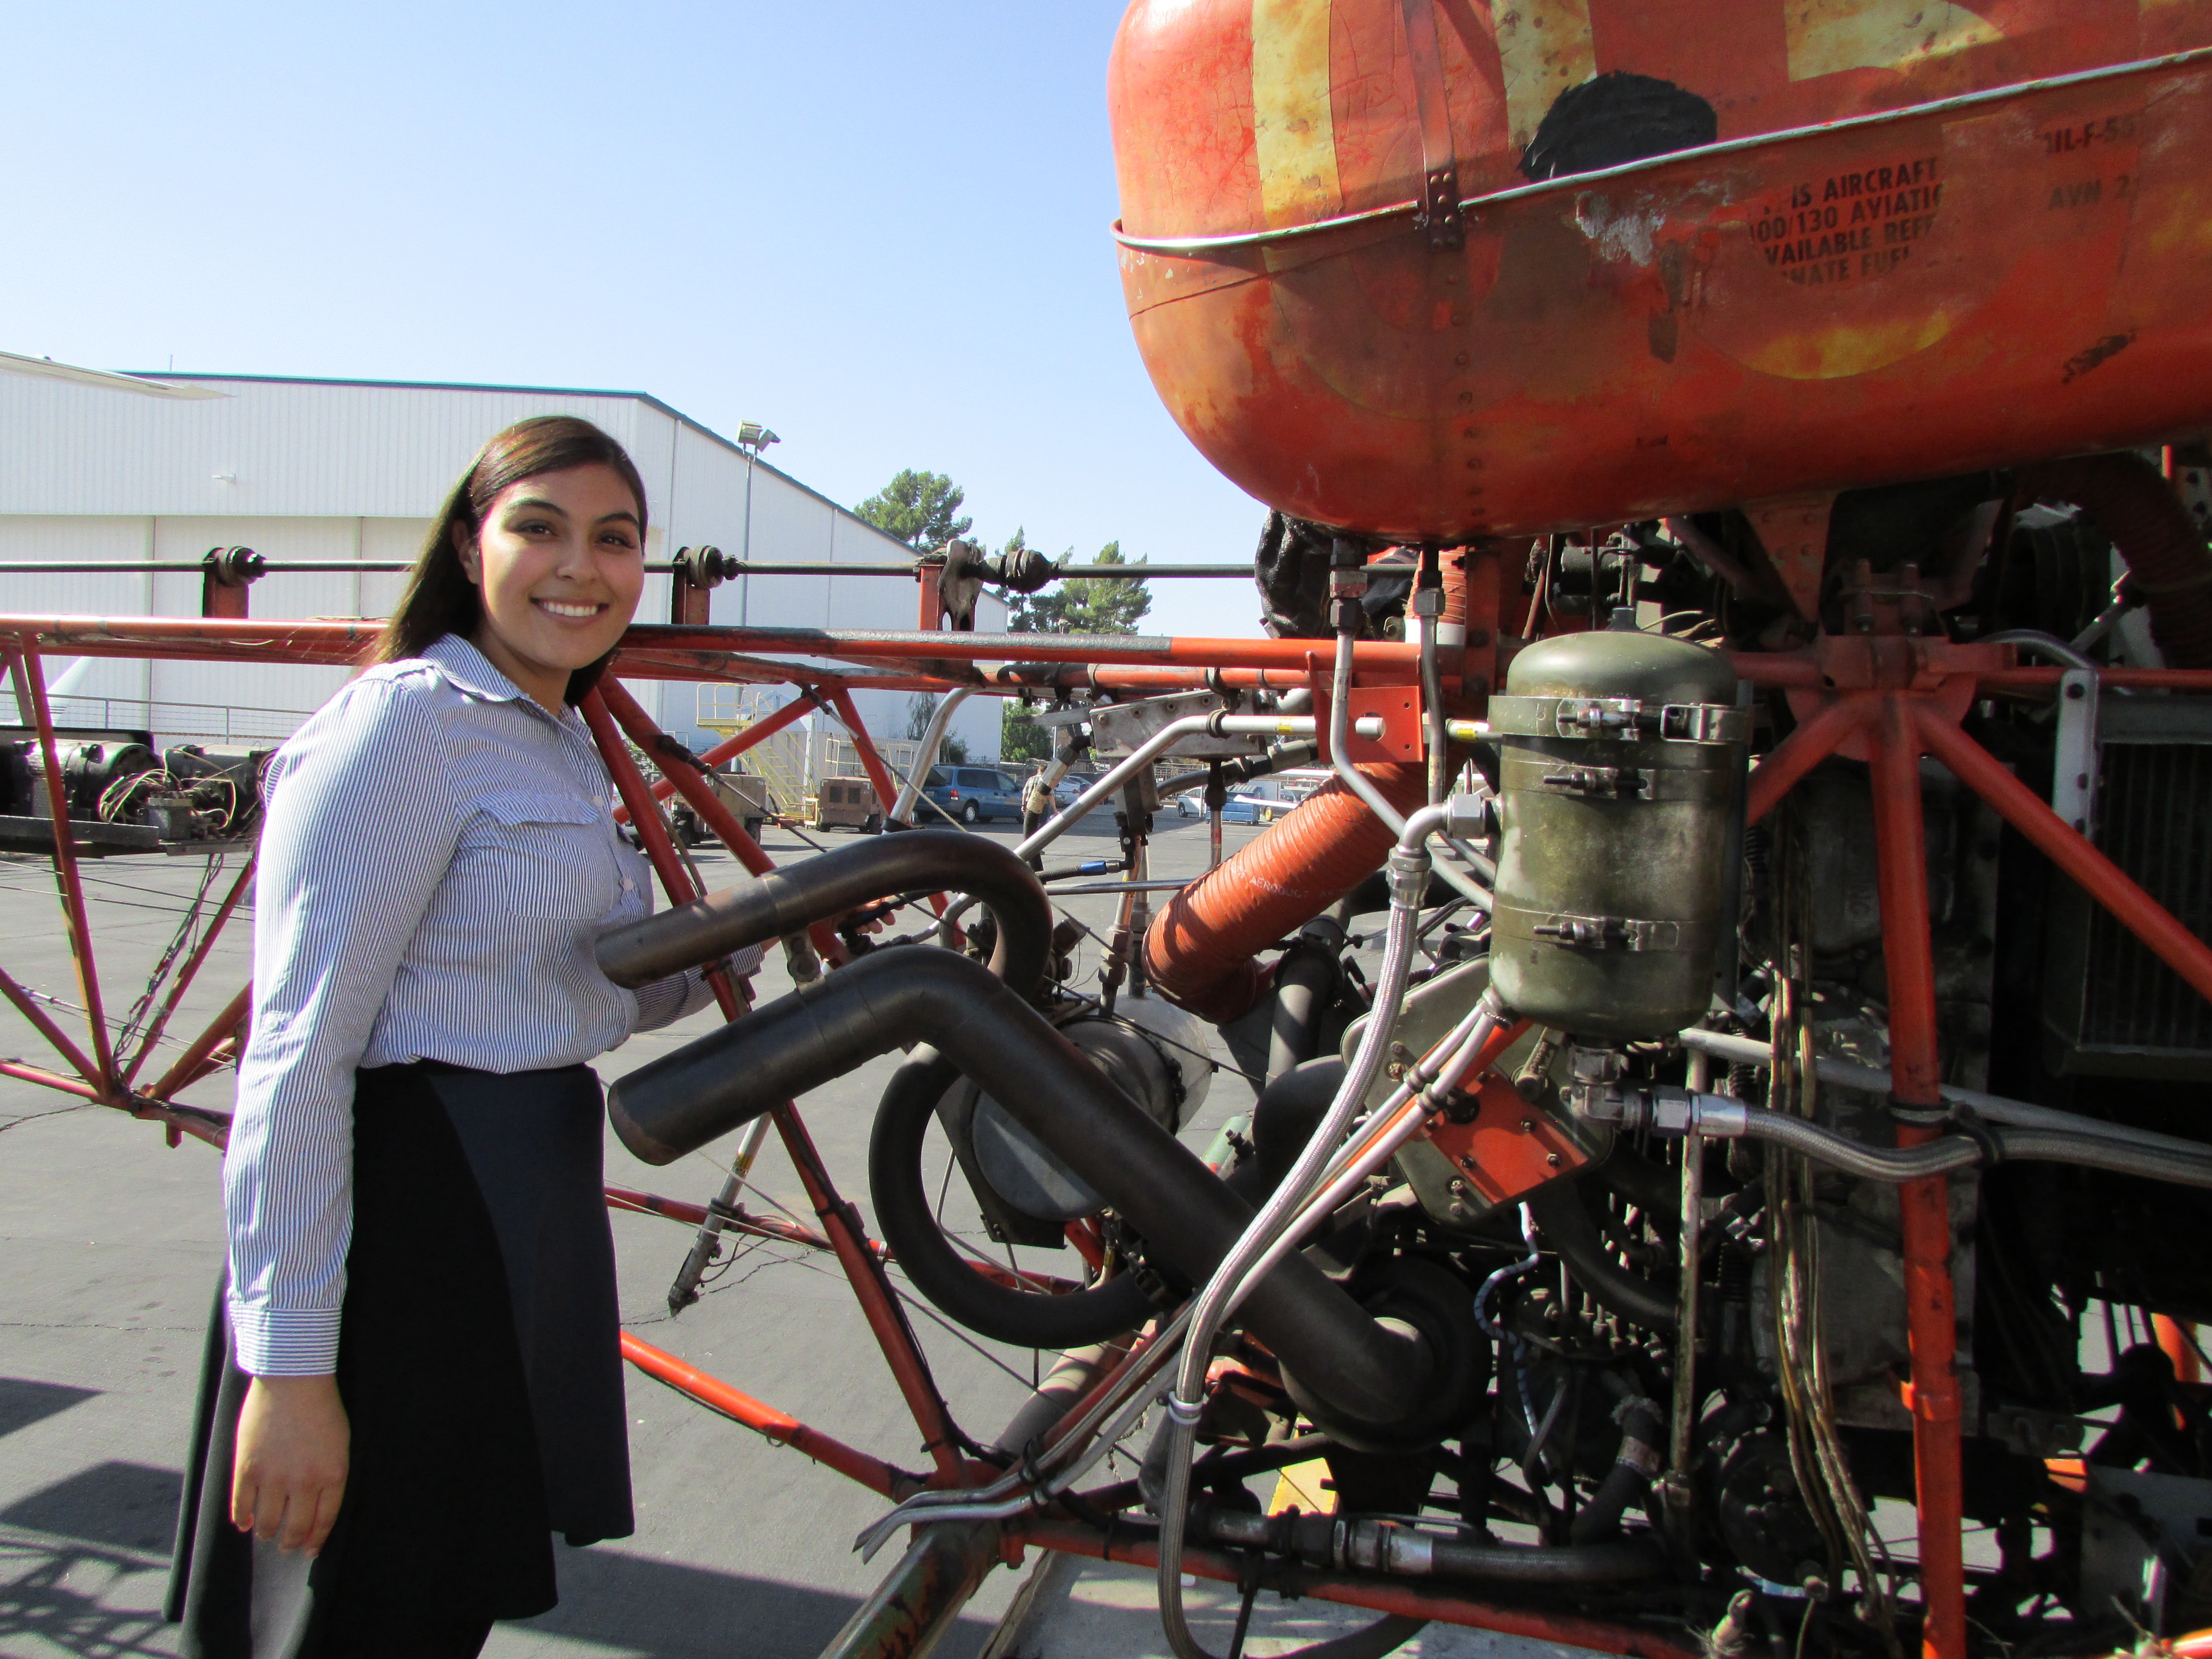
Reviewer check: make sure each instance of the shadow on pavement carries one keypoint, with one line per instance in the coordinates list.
(23, 1402)
(670, 1611)
(73, 1598)
(129, 1506)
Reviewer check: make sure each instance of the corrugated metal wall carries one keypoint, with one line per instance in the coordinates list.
(338, 470)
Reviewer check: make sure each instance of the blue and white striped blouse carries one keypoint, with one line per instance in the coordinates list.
(437, 858)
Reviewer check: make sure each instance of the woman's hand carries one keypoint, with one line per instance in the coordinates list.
(291, 1467)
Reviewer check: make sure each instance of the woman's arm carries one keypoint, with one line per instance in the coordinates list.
(667, 1000)
(360, 830)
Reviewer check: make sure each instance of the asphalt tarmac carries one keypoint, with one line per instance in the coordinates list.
(110, 1246)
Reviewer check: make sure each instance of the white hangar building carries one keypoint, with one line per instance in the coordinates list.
(353, 472)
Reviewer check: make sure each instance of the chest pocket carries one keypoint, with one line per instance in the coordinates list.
(541, 855)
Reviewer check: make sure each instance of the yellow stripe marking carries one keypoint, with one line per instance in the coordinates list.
(1828, 36)
(1544, 47)
(1292, 129)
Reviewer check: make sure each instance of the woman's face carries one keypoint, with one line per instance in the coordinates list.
(560, 562)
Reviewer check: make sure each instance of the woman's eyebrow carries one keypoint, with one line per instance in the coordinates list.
(538, 502)
(624, 514)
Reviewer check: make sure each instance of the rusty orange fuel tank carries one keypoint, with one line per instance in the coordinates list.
(1711, 250)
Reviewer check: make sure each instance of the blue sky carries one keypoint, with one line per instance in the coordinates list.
(880, 228)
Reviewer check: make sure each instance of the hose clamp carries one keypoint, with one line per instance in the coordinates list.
(1918, 1116)
(1621, 718)
(1408, 877)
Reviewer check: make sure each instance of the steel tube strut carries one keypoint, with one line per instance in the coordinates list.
(30, 693)
(712, 811)
(190, 970)
(1417, 1601)
(779, 1427)
(191, 1065)
(1924, 1221)
(840, 1221)
(1789, 761)
(2104, 881)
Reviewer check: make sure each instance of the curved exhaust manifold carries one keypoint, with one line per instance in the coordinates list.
(1374, 1371)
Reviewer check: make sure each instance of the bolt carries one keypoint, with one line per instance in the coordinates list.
(1467, 1160)
(1552, 1159)
(2077, 690)
(1395, 1069)
(1459, 1186)
(1527, 1125)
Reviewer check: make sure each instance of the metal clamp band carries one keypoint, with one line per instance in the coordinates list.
(1623, 719)
(1609, 933)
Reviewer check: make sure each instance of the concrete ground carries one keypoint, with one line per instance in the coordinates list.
(110, 1244)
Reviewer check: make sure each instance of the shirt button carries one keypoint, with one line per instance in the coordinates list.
(629, 886)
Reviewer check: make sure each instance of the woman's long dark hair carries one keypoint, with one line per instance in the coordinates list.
(441, 598)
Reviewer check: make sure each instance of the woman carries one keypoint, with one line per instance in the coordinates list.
(414, 1376)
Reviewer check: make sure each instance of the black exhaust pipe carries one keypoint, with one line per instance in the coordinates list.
(1374, 1371)
(783, 902)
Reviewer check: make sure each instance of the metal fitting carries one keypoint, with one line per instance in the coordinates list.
(1408, 877)
(1467, 817)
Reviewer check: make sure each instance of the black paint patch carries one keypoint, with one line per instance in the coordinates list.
(1614, 119)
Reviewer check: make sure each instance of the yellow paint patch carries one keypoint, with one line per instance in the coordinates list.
(1544, 47)
(1846, 348)
(1299, 1487)
(1293, 131)
(1828, 36)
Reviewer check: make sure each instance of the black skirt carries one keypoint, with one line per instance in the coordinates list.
(480, 1365)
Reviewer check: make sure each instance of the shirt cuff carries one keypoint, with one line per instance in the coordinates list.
(284, 1342)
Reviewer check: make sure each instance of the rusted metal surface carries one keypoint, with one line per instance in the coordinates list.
(909, 1613)
(1417, 1600)
(1972, 287)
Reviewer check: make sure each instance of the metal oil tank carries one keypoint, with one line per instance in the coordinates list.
(1618, 760)
(1710, 251)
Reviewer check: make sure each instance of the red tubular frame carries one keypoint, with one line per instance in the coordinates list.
(1412, 1599)
(190, 970)
(29, 676)
(1891, 699)
(780, 1427)
(1916, 1072)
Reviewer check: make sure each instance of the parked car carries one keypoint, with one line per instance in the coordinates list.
(847, 804)
(975, 793)
(1265, 799)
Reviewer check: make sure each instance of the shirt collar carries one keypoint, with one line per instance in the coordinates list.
(472, 673)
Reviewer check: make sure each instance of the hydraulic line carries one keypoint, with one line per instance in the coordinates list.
(1409, 868)
(1292, 1209)
(1997, 1108)
(1677, 1112)
(933, 737)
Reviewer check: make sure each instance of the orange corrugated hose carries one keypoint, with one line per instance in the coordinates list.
(1198, 952)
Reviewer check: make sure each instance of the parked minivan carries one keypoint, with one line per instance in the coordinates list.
(972, 793)
(847, 804)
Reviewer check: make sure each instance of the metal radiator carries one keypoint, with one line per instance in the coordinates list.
(2110, 1007)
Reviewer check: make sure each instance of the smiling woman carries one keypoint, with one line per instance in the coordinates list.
(538, 559)
(412, 1378)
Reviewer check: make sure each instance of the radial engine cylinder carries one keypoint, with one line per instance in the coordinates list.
(1618, 753)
